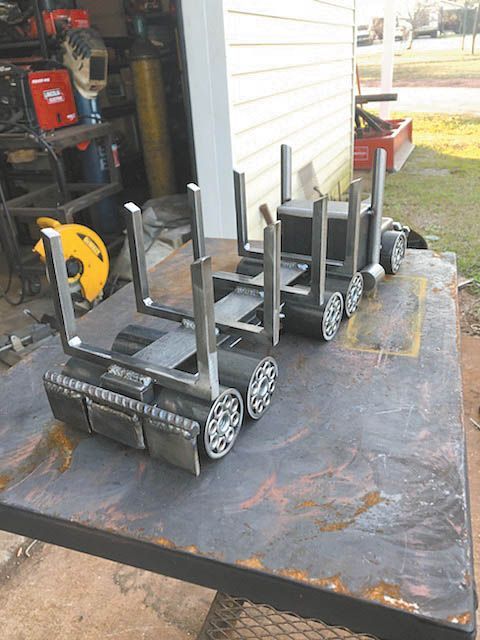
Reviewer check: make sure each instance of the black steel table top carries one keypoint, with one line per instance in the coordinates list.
(347, 502)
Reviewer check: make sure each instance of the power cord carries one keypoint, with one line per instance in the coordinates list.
(16, 251)
(27, 285)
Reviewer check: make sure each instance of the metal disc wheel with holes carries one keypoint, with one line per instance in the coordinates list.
(223, 424)
(354, 294)
(394, 246)
(332, 316)
(261, 387)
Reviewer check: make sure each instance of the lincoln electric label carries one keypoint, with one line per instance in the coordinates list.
(53, 96)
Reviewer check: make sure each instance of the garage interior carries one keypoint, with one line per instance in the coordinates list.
(121, 69)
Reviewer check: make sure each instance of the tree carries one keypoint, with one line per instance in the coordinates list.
(468, 4)
(419, 13)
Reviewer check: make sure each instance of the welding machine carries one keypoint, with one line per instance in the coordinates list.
(39, 95)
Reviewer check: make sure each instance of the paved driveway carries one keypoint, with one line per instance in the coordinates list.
(445, 43)
(461, 100)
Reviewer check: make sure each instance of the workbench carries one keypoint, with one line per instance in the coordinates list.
(347, 502)
(62, 200)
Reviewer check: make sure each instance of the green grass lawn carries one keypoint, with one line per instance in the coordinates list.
(438, 190)
(452, 68)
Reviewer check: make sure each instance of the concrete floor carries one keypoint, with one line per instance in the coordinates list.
(56, 593)
(48, 592)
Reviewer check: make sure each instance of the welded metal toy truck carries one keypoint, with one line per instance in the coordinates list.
(360, 239)
(361, 245)
(187, 391)
(177, 392)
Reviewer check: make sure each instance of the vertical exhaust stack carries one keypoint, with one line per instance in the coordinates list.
(285, 173)
(373, 273)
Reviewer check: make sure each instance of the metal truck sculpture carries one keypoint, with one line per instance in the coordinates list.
(184, 394)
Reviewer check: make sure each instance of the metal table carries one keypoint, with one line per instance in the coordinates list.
(347, 502)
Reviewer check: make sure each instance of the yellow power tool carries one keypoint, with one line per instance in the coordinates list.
(86, 257)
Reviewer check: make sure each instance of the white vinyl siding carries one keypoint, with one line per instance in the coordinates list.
(290, 67)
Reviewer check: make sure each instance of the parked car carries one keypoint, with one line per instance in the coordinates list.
(365, 34)
(403, 31)
(427, 23)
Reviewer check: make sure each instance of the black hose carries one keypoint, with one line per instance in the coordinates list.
(12, 120)
(23, 278)
(48, 147)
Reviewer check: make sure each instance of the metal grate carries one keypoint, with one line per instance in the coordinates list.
(237, 619)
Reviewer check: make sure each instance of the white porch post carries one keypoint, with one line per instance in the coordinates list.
(387, 55)
(203, 24)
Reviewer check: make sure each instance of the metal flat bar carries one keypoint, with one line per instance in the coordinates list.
(67, 210)
(350, 265)
(285, 173)
(138, 261)
(171, 351)
(244, 330)
(198, 236)
(241, 212)
(238, 278)
(32, 212)
(62, 300)
(81, 187)
(378, 190)
(288, 274)
(256, 283)
(67, 137)
(203, 312)
(60, 139)
(32, 196)
(271, 281)
(82, 202)
(170, 378)
(293, 258)
(376, 97)
(256, 252)
(244, 247)
(236, 327)
(319, 251)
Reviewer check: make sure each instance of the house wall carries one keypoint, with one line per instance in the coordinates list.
(290, 67)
